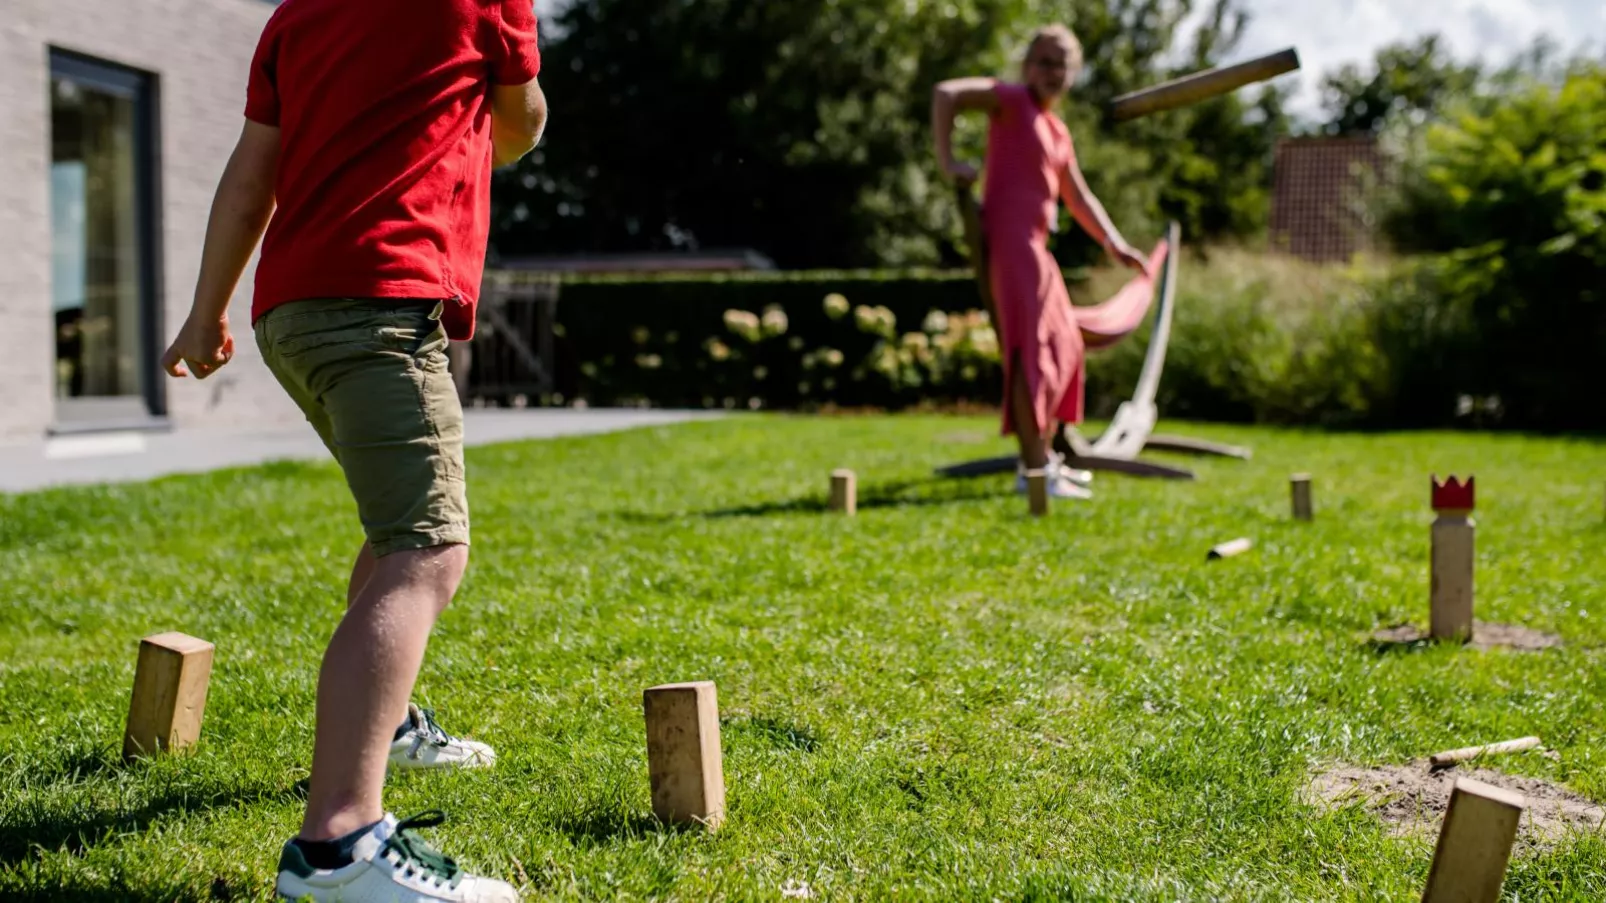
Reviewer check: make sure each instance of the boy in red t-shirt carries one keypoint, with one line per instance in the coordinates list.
(373, 126)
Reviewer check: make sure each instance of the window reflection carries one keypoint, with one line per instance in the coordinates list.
(98, 284)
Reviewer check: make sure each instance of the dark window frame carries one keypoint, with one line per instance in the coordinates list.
(143, 89)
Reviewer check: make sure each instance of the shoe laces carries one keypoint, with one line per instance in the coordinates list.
(426, 725)
(416, 857)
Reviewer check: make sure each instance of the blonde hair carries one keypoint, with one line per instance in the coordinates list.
(1065, 38)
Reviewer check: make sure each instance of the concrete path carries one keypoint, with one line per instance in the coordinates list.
(126, 456)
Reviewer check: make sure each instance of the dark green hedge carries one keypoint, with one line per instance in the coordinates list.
(1257, 338)
(625, 340)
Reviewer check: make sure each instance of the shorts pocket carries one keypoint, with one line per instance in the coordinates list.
(412, 339)
(353, 330)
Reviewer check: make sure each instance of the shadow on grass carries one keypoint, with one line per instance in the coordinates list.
(78, 762)
(1389, 647)
(78, 893)
(601, 827)
(1486, 636)
(890, 495)
(771, 732)
(76, 827)
(1401, 639)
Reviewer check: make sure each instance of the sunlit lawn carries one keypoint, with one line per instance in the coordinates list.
(940, 699)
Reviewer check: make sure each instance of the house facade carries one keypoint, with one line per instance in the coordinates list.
(116, 119)
(1323, 197)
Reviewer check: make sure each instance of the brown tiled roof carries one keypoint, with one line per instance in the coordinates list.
(1318, 196)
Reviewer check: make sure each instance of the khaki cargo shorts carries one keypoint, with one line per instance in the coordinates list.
(371, 377)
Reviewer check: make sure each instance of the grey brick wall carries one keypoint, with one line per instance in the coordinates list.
(199, 51)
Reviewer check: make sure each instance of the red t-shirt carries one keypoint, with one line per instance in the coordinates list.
(384, 109)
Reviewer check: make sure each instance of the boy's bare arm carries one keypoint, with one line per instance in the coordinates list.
(518, 118)
(240, 212)
(948, 99)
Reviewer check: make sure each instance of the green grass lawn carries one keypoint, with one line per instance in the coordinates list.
(941, 699)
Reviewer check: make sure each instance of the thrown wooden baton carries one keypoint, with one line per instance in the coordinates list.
(1191, 89)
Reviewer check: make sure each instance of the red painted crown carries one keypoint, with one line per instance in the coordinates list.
(1452, 495)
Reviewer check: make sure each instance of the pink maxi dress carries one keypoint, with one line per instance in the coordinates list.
(1028, 150)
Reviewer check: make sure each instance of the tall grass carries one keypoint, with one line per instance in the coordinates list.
(1257, 337)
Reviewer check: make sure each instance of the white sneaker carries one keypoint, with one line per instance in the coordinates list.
(1079, 477)
(423, 744)
(1056, 461)
(1059, 485)
(390, 864)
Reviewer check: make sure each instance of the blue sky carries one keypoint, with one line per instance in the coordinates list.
(1330, 33)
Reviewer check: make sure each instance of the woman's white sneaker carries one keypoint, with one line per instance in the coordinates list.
(1079, 477)
(1059, 486)
(421, 743)
(390, 864)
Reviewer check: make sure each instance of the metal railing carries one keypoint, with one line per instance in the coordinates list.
(509, 363)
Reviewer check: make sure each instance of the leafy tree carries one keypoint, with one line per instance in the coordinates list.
(1508, 199)
(1413, 78)
(801, 127)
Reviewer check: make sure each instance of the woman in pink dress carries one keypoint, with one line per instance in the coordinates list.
(1030, 166)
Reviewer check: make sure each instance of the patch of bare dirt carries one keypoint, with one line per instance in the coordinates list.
(1411, 799)
(1484, 636)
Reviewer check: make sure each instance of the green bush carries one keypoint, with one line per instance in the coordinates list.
(1508, 203)
(768, 340)
(1256, 338)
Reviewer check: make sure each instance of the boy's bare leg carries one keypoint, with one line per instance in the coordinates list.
(361, 570)
(367, 676)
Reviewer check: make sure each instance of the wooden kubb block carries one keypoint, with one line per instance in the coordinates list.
(1299, 490)
(1480, 826)
(1452, 578)
(169, 696)
(844, 492)
(684, 762)
(1453, 560)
